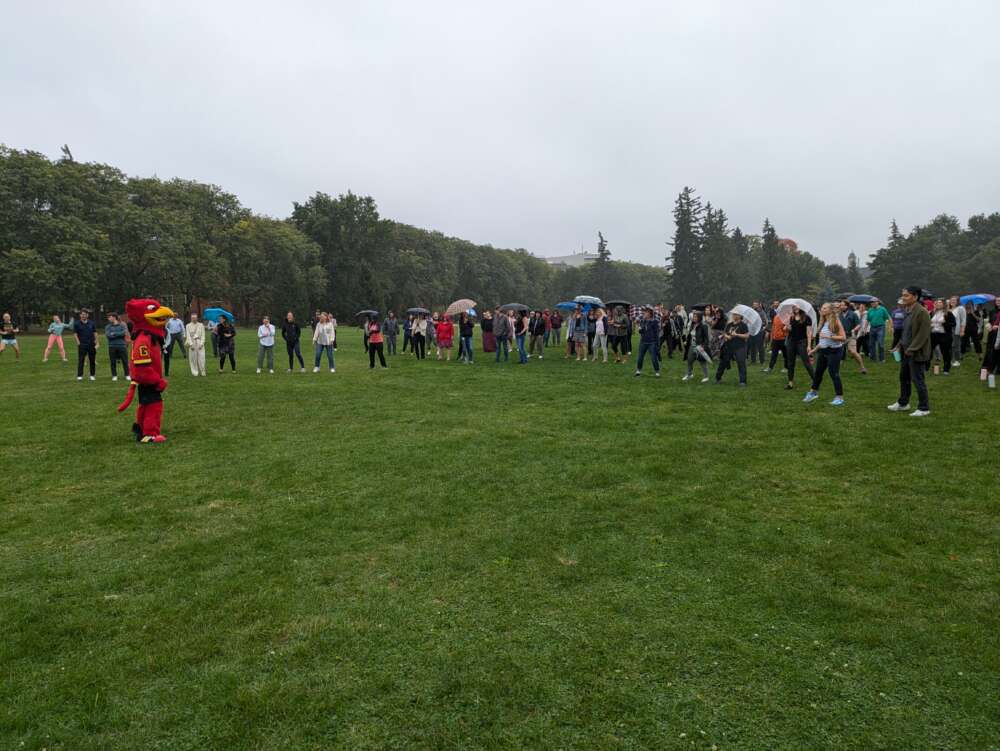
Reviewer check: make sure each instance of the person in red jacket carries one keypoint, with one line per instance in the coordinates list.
(444, 332)
(149, 320)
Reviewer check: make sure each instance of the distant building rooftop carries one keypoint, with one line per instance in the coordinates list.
(574, 260)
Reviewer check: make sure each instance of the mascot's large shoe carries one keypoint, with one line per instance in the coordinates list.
(149, 320)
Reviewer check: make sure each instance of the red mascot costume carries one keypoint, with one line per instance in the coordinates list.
(149, 320)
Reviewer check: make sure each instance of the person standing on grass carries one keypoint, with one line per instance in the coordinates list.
(958, 333)
(213, 332)
(991, 355)
(419, 334)
(851, 322)
(536, 332)
(778, 333)
(390, 330)
(408, 332)
(323, 338)
(878, 316)
(649, 342)
(85, 334)
(194, 332)
(265, 344)
(734, 349)
(502, 331)
(601, 335)
(291, 332)
(898, 320)
(520, 334)
(376, 342)
(466, 329)
(175, 327)
(915, 352)
(56, 329)
(556, 321)
(579, 335)
(444, 333)
(697, 347)
(227, 343)
(942, 330)
(116, 333)
(831, 340)
(800, 333)
(973, 330)
(617, 329)
(8, 336)
(756, 342)
(489, 340)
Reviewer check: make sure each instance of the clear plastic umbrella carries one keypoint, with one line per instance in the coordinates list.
(588, 300)
(750, 316)
(787, 306)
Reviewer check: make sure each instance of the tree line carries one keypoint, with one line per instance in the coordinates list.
(78, 235)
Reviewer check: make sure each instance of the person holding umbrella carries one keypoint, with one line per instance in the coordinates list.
(227, 343)
(828, 355)
(800, 333)
(734, 349)
(520, 332)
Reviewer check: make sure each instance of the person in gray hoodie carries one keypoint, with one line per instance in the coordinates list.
(117, 335)
(390, 329)
(502, 331)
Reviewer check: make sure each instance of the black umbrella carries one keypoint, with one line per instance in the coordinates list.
(366, 313)
(616, 303)
(700, 306)
(514, 306)
(418, 311)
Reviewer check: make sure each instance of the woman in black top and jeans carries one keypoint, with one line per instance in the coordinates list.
(797, 344)
(734, 348)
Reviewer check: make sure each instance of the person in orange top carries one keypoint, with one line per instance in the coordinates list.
(778, 333)
(444, 331)
(375, 343)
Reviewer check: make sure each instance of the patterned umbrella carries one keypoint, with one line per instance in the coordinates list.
(460, 306)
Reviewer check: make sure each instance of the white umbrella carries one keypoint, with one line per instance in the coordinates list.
(786, 307)
(751, 316)
(588, 300)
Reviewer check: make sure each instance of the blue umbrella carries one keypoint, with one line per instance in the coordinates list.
(980, 298)
(861, 298)
(213, 314)
(566, 306)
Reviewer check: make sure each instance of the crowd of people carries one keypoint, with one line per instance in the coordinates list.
(927, 335)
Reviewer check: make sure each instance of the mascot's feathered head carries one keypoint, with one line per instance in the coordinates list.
(147, 314)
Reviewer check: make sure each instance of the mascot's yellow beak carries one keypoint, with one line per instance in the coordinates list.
(158, 317)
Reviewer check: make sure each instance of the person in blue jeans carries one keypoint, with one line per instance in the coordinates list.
(878, 317)
(522, 332)
(502, 332)
(828, 355)
(466, 328)
(649, 341)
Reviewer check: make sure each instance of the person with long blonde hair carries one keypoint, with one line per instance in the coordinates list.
(829, 353)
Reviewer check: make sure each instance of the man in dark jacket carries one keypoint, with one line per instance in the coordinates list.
(536, 332)
(915, 354)
(502, 331)
(291, 332)
(649, 341)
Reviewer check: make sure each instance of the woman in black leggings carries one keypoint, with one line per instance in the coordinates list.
(227, 344)
(800, 333)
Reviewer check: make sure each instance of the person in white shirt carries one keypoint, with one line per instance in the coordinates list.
(195, 335)
(265, 337)
(175, 327)
(961, 316)
(324, 338)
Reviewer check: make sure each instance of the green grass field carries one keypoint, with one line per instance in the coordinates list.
(555, 556)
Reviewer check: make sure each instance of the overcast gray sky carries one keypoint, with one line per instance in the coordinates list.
(532, 124)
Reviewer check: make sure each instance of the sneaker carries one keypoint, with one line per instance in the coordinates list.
(897, 407)
(302, 370)
(92, 378)
(956, 364)
(837, 402)
(333, 370)
(316, 369)
(920, 413)
(657, 374)
(789, 387)
(79, 378)
(541, 356)
(945, 372)
(258, 371)
(288, 370)
(129, 378)
(114, 378)
(765, 370)
(864, 371)
(687, 377)
(784, 370)
(704, 380)
(741, 385)
(270, 371)
(810, 396)
(638, 373)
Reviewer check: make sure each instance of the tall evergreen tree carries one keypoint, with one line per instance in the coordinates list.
(773, 265)
(684, 262)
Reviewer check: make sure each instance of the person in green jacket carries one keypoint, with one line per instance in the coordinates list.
(878, 316)
(914, 350)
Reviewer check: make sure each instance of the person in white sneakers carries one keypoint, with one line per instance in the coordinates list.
(915, 354)
(265, 339)
(961, 317)
(324, 337)
(194, 333)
